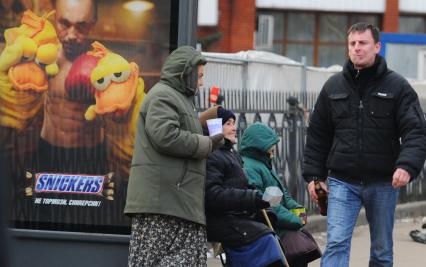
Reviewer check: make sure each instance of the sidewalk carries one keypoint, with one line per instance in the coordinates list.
(406, 251)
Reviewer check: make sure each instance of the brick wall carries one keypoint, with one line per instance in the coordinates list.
(391, 16)
(237, 20)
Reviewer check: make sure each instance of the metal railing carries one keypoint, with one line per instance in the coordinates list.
(282, 112)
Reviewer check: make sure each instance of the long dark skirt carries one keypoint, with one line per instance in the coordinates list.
(161, 240)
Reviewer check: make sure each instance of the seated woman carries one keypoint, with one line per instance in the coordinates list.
(230, 204)
(257, 149)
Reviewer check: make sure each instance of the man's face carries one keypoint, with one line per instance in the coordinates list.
(362, 49)
(200, 80)
(74, 21)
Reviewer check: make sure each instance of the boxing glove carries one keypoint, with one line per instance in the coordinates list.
(77, 83)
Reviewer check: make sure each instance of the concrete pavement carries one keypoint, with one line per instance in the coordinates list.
(406, 251)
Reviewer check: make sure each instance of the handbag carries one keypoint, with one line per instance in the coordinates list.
(300, 246)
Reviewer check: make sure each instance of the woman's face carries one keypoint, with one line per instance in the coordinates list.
(230, 131)
(200, 80)
(271, 151)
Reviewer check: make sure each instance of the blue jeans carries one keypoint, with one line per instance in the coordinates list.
(344, 203)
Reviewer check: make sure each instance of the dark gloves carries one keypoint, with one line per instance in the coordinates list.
(259, 202)
(217, 141)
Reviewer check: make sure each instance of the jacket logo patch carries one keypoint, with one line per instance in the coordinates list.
(382, 94)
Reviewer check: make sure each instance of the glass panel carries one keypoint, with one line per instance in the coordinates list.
(68, 171)
(301, 26)
(333, 27)
(400, 58)
(278, 26)
(372, 19)
(411, 24)
(264, 34)
(296, 51)
(331, 55)
(278, 49)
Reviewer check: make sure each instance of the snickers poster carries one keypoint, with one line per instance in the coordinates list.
(73, 75)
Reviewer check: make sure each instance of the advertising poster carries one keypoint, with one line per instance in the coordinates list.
(73, 74)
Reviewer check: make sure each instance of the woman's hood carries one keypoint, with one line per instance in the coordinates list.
(258, 136)
(179, 66)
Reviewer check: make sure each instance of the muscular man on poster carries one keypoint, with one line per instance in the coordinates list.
(69, 143)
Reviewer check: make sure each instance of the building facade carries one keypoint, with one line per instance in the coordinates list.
(295, 28)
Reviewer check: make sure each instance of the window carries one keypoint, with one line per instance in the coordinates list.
(331, 55)
(331, 28)
(412, 24)
(321, 37)
(300, 27)
(265, 32)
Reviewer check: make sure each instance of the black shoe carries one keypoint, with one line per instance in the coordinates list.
(418, 236)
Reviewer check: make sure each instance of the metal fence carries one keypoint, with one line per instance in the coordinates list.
(258, 70)
(282, 112)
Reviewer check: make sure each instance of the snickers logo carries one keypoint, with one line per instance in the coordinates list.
(69, 183)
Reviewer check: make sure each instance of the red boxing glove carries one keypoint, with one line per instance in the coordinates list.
(77, 83)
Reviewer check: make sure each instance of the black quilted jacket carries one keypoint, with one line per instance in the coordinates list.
(365, 125)
(230, 203)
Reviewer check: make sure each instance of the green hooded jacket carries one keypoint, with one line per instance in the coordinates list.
(255, 142)
(167, 175)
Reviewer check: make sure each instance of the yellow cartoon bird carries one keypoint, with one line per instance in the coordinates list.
(119, 94)
(31, 52)
(115, 80)
(27, 60)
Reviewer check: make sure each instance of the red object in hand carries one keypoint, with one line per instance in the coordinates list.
(214, 95)
(77, 83)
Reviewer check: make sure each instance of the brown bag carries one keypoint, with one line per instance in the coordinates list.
(300, 246)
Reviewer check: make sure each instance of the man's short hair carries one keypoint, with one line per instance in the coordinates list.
(95, 8)
(363, 26)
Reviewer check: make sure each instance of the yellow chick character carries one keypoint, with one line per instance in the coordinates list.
(119, 94)
(37, 39)
(26, 61)
(115, 81)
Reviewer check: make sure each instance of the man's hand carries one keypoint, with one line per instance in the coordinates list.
(400, 178)
(311, 190)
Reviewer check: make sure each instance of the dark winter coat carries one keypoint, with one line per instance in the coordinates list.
(365, 125)
(256, 141)
(230, 204)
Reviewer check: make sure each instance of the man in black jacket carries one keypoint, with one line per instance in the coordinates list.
(367, 136)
